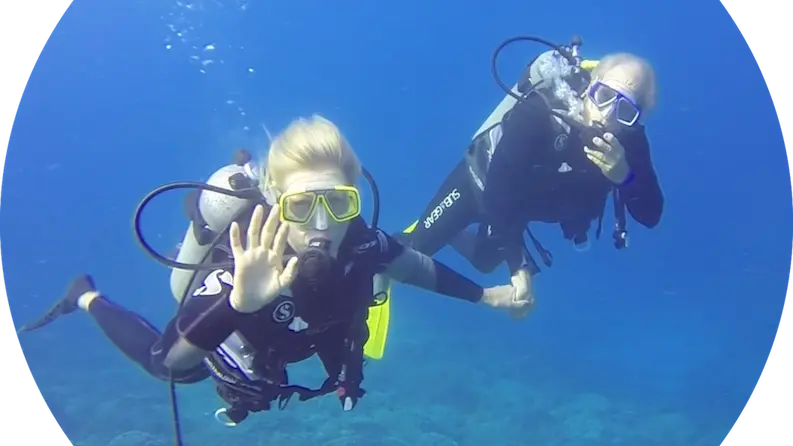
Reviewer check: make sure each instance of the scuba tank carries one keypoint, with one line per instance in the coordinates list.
(559, 69)
(559, 74)
(230, 193)
(210, 214)
(497, 115)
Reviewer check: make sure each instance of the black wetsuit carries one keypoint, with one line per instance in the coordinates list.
(330, 322)
(531, 168)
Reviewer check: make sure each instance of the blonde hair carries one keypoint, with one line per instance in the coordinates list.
(309, 144)
(644, 80)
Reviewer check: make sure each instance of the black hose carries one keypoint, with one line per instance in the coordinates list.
(245, 194)
(589, 132)
(494, 60)
(375, 199)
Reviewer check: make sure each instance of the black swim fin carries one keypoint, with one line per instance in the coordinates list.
(67, 304)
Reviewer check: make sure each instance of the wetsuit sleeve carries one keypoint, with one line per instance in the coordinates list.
(411, 267)
(524, 128)
(642, 193)
(203, 322)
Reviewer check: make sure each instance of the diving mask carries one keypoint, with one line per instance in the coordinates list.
(339, 203)
(613, 104)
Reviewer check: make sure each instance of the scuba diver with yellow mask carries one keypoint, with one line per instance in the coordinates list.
(567, 135)
(300, 282)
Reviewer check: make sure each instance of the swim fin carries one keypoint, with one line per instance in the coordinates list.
(380, 316)
(66, 305)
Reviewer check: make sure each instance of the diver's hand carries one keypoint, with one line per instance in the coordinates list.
(259, 272)
(516, 298)
(609, 155)
(521, 282)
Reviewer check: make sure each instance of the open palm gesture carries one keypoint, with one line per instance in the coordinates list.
(259, 271)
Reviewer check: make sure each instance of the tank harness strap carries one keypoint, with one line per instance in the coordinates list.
(304, 393)
(201, 231)
(620, 233)
(545, 255)
(530, 264)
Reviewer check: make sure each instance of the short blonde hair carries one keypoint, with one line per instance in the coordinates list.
(307, 144)
(645, 81)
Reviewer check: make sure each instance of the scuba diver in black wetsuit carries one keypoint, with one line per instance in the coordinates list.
(298, 284)
(564, 138)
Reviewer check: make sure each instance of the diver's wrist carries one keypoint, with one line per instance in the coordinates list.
(622, 175)
(241, 304)
(627, 178)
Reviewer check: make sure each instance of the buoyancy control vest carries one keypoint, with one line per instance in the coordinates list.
(484, 145)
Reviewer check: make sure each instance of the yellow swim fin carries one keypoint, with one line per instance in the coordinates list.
(380, 317)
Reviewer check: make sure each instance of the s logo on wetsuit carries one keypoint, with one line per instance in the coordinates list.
(284, 311)
(213, 284)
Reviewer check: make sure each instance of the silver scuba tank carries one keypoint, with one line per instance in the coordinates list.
(546, 72)
(211, 215)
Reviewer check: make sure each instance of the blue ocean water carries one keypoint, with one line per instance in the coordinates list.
(660, 344)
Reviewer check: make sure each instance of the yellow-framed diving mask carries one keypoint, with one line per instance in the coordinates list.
(339, 203)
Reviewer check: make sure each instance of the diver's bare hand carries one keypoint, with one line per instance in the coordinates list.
(517, 298)
(609, 155)
(521, 282)
(259, 272)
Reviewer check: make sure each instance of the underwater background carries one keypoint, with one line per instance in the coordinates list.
(657, 345)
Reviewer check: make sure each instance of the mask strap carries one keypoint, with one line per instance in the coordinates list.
(271, 196)
(270, 192)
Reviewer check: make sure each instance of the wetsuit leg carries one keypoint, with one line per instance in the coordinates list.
(453, 208)
(486, 252)
(483, 252)
(140, 341)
